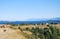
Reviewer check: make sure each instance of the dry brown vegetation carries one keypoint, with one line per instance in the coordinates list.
(23, 32)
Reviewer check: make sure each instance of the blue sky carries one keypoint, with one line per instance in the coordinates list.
(21, 10)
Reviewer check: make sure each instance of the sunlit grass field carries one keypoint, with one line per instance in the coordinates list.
(26, 31)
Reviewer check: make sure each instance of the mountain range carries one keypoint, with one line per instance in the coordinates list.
(43, 19)
(34, 21)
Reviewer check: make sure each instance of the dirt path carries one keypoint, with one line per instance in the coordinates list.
(8, 33)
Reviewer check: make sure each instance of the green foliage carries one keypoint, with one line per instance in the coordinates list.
(27, 29)
(9, 23)
(23, 24)
(46, 33)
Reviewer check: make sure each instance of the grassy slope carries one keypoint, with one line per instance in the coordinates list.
(11, 34)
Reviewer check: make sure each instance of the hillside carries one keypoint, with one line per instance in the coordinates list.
(8, 33)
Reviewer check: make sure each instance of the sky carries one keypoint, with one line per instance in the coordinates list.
(21, 10)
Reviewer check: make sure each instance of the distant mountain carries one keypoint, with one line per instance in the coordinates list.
(44, 20)
(34, 21)
(58, 18)
(54, 20)
(41, 19)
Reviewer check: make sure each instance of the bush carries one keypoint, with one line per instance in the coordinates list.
(46, 33)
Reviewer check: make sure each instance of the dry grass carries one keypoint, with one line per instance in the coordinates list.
(11, 34)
